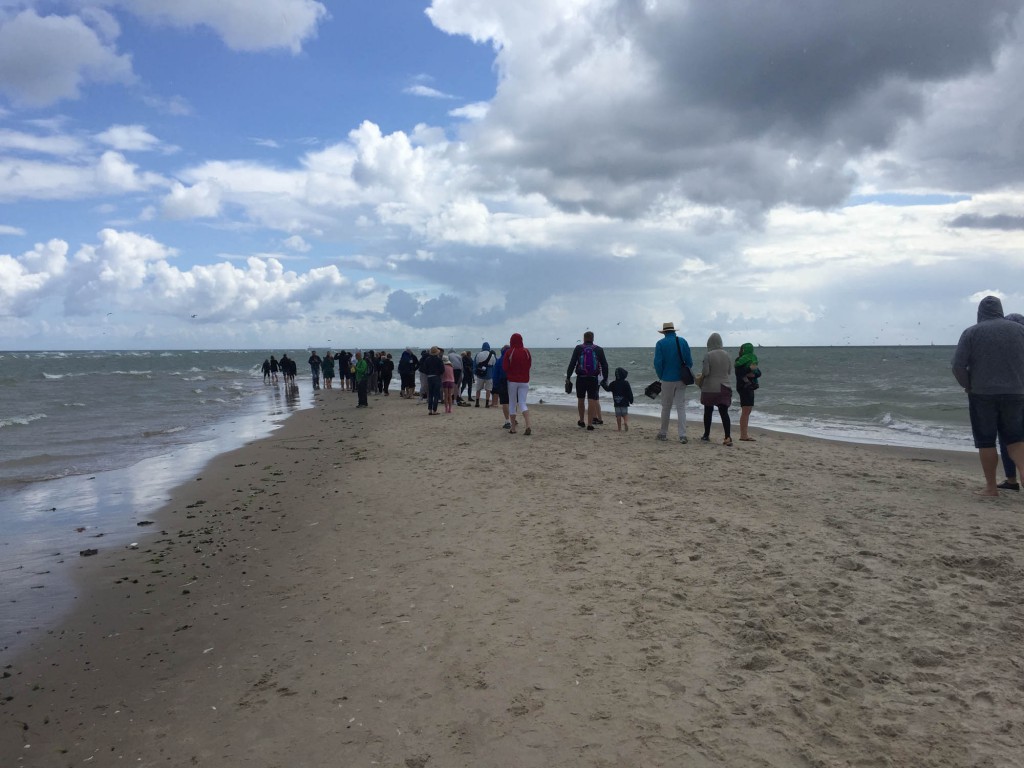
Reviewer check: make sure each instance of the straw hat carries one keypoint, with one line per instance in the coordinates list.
(667, 328)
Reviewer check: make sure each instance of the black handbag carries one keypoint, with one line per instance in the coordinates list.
(685, 374)
(653, 389)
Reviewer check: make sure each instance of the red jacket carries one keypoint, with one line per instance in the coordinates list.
(516, 361)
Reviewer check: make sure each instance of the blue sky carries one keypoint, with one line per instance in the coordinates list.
(210, 175)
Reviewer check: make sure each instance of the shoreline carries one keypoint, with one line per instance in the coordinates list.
(344, 588)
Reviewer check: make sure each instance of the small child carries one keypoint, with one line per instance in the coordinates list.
(622, 398)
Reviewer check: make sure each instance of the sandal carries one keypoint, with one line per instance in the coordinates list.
(527, 431)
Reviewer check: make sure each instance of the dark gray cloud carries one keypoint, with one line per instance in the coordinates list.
(1003, 221)
(738, 103)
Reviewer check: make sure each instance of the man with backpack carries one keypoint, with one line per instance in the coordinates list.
(591, 368)
(482, 369)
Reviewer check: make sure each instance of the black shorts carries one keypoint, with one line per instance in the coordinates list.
(746, 397)
(587, 386)
(501, 389)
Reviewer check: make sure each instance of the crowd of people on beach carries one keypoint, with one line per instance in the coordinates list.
(448, 379)
(988, 364)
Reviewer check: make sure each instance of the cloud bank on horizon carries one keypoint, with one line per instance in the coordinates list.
(221, 175)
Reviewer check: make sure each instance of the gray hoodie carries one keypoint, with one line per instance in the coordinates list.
(989, 358)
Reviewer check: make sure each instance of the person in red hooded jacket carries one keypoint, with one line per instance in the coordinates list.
(516, 363)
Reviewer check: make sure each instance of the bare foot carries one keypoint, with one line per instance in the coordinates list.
(988, 494)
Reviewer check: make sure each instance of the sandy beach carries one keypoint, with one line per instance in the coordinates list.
(376, 587)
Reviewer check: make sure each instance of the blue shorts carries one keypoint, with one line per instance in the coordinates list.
(996, 415)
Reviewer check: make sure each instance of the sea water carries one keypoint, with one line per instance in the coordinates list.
(91, 443)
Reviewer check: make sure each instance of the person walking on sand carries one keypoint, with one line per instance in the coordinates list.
(989, 365)
(747, 375)
(432, 367)
(408, 364)
(672, 363)
(714, 391)
(499, 386)
(1009, 468)
(448, 382)
(387, 372)
(362, 373)
(327, 367)
(622, 398)
(516, 362)
(590, 365)
(456, 362)
(483, 369)
(467, 378)
(314, 368)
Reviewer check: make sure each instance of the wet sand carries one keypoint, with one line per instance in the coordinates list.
(376, 587)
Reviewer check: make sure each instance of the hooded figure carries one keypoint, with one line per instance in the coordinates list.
(622, 392)
(517, 360)
(989, 364)
(717, 367)
(989, 358)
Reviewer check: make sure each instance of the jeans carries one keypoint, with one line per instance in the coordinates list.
(433, 392)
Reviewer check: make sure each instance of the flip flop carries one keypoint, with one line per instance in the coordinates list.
(748, 439)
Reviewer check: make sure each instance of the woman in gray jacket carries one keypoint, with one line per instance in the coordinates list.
(714, 391)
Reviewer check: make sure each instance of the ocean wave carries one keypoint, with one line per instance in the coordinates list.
(56, 376)
(75, 405)
(158, 432)
(21, 421)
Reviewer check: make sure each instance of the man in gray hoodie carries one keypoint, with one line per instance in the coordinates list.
(989, 365)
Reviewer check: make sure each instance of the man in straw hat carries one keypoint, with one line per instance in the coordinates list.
(672, 363)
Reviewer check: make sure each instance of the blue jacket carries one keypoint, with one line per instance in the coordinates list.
(497, 371)
(666, 357)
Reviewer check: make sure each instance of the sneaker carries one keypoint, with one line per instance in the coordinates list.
(507, 425)
(705, 439)
(599, 422)
(590, 428)
(683, 440)
(662, 437)
(1008, 485)
(580, 424)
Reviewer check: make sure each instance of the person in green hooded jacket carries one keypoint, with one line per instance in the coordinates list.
(362, 379)
(747, 374)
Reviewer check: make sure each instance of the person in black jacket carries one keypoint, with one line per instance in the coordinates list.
(622, 398)
(408, 364)
(432, 367)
